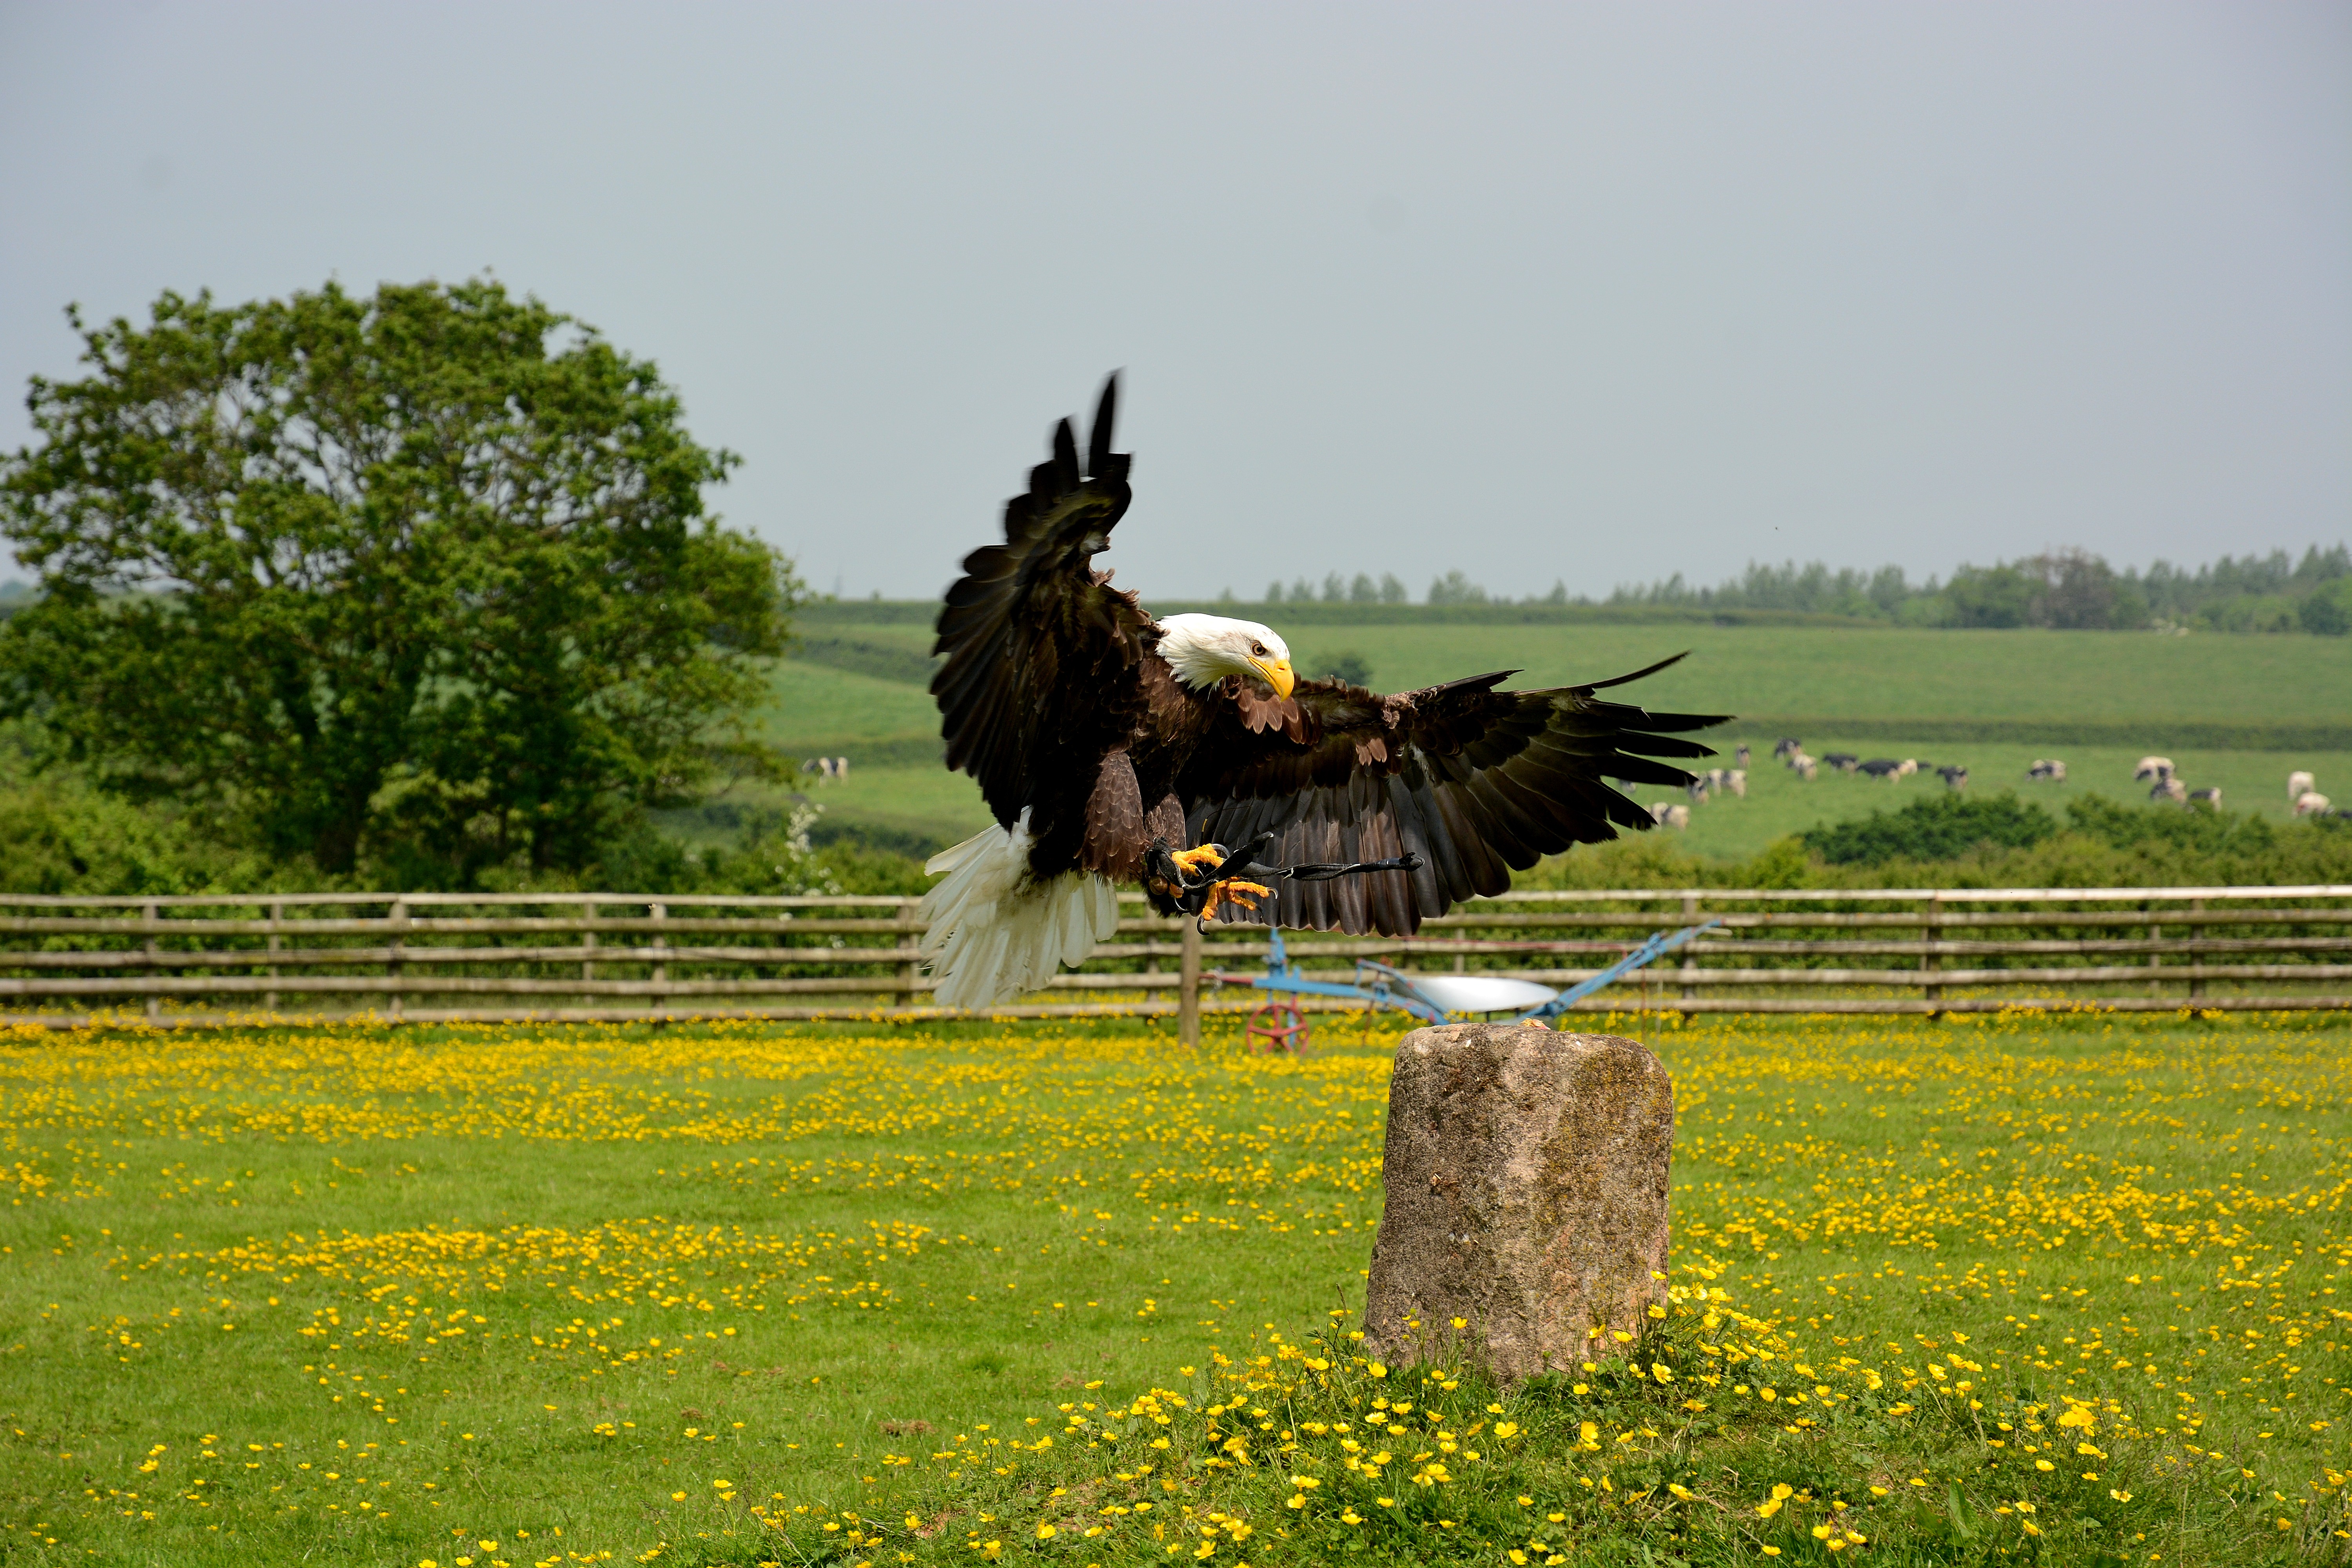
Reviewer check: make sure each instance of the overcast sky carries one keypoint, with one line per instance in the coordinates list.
(1592, 292)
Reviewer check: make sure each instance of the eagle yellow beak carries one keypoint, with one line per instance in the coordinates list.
(1277, 675)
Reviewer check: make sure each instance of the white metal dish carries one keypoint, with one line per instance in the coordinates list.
(1482, 994)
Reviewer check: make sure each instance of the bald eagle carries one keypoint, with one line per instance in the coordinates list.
(1112, 747)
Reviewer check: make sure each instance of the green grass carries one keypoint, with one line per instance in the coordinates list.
(819, 709)
(931, 802)
(2016, 676)
(2010, 676)
(1876, 676)
(845, 1272)
(944, 807)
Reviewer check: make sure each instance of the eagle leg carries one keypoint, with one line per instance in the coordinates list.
(1191, 861)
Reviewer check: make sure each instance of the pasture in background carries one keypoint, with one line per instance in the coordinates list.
(1778, 804)
(2239, 712)
(735, 1294)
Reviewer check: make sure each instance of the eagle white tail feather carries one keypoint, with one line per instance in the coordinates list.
(995, 932)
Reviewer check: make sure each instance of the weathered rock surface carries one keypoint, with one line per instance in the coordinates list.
(1526, 1194)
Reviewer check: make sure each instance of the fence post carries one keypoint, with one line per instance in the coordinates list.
(1188, 991)
(661, 971)
(398, 921)
(277, 918)
(908, 929)
(587, 944)
(1931, 962)
(1690, 963)
(150, 913)
(2196, 959)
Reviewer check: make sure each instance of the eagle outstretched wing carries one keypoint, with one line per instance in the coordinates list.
(1038, 679)
(1476, 781)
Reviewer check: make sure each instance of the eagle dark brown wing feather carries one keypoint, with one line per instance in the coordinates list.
(1038, 678)
(1478, 783)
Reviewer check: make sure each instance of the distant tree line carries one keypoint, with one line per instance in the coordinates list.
(2065, 589)
(1338, 590)
(1454, 588)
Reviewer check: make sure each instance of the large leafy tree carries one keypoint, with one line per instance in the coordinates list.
(425, 571)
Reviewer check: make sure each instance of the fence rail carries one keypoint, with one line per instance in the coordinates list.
(437, 957)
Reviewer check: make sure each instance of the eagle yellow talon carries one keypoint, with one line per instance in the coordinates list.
(1191, 861)
(1240, 894)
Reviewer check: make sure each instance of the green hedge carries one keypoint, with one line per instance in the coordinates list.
(1934, 827)
(2201, 733)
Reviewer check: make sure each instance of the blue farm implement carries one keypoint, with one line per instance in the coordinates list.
(1432, 998)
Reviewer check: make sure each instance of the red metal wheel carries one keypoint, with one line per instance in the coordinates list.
(1280, 1025)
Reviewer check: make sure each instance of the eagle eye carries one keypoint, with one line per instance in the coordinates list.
(1258, 648)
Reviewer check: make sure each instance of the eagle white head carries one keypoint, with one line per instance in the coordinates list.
(1204, 649)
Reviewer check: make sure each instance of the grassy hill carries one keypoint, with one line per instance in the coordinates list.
(2237, 712)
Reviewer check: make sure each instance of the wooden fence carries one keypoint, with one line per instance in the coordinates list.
(435, 957)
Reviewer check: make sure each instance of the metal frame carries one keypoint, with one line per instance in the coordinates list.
(1390, 987)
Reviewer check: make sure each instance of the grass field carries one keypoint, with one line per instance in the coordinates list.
(2048, 679)
(817, 708)
(2092, 676)
(2009, 1290)
(2051, 677)
(946, 806)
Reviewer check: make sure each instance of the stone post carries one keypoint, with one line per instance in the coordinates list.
(1527, 1196)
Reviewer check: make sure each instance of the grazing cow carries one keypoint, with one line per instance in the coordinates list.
(1886, 768)
(1954, 778)
(1787, 746)
(1741, 756)
(1736, 781)
(2211, 797)
(1844, 761)
(840, 767)
(1717, 778)
(2169, 789)
(1908, 766)
(1697, 789)
(1806, 769)
(2157, 768)
(2048, 770)
(1667, 815)
(2300, 783)
(2311, 803)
